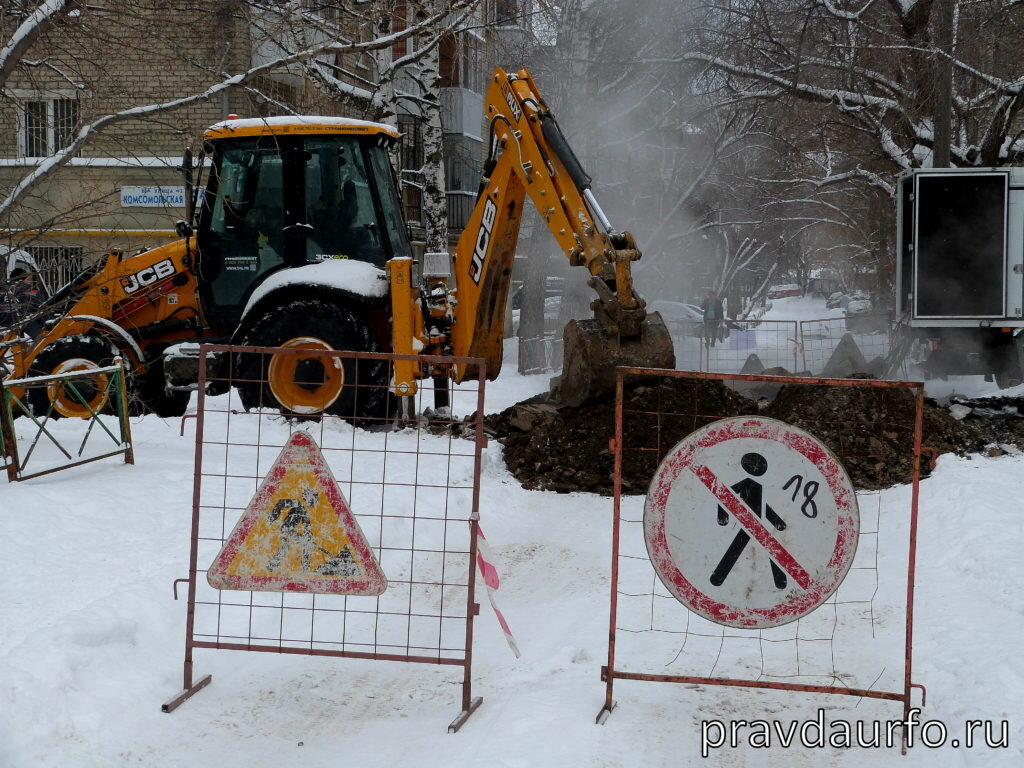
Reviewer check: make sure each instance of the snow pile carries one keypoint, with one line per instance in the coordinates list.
(92, 641)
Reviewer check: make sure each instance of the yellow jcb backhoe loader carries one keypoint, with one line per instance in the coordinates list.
(299, 242)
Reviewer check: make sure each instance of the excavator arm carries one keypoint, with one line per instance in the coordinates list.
(529, 157)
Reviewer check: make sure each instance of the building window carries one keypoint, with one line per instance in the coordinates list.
(411, 142)
(462, 162)
(327, 10)
(506, 11)
(48, 126)
(473, 75)
(411, 155)
(58, 264)
(462, 62)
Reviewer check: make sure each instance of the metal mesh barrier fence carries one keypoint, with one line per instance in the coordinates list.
(858, 641)
(819, 338)
(743, 346)
(540, 354)
(413, 492)
(773, 342)
(96, 397)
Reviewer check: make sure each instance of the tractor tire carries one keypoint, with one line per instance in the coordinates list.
(308, 386)
(150, 394)
(72, 353)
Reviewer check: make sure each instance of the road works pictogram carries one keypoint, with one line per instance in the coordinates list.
(298, 534)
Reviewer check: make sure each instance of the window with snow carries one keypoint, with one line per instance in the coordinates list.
(48, 125)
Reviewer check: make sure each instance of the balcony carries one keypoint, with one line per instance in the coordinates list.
(460, 208)
(462, 111)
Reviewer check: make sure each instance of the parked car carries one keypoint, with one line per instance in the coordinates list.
(861, 317)
(784, 290)
(688, 319)
(553, 287)
(837, 301)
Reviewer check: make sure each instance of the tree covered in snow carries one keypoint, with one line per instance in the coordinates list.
(407, 80)
(662, 154)
(852, 92)
(870, 72)
(710, 125)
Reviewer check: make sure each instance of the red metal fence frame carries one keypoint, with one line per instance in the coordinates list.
(469, 703)
(609, 673)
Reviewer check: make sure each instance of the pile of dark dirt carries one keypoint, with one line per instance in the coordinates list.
(567, 449)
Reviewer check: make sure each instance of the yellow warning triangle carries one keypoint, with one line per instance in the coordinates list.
(298, 534)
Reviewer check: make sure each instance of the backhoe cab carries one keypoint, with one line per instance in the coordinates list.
(287, 247)
(298, 242)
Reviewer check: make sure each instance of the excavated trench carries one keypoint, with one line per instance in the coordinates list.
(566, 449)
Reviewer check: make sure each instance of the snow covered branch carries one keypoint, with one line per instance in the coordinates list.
(37, 23)
(29, 31)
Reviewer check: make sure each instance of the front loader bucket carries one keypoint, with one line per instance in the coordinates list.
(591, 355)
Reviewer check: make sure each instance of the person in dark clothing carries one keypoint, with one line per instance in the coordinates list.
(20, 302)
(713, 315)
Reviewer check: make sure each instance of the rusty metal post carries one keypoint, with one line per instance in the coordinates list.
(469, 704)
(609, 670)
(7, 436)
(122, 405)
(188, 688)
(912, 559)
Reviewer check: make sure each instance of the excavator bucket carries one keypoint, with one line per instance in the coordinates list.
(591, 355)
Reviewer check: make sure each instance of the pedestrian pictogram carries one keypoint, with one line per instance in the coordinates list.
(749, 491)
(298, 534)
(751, 522)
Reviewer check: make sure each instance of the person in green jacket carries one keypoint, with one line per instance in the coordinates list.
(712, 309)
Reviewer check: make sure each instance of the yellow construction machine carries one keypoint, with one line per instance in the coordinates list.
(298, 241)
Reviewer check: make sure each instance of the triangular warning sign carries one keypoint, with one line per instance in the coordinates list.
(298, 534)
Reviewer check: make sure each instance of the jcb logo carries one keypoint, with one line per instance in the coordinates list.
(147, 276)
(483, 241)
(510, 99)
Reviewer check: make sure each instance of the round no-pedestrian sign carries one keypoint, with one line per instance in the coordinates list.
(751, 522)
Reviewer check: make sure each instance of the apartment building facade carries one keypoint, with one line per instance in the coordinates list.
(124, 188)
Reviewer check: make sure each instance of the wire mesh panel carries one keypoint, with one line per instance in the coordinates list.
(819, 338)
(774, 344)
(540, 354)
(411, 486)
(95, 401)
(849, 644)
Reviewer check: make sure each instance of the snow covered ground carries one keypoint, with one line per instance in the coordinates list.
(91, 639)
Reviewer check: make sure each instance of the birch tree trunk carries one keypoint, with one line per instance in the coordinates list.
(435, 205)
(385, 102)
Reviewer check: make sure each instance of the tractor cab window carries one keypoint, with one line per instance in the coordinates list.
(340, 203)
(245, 239)
(390, 203)
(284, 201)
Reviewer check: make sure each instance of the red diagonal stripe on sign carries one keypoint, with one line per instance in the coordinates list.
(752, 524)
